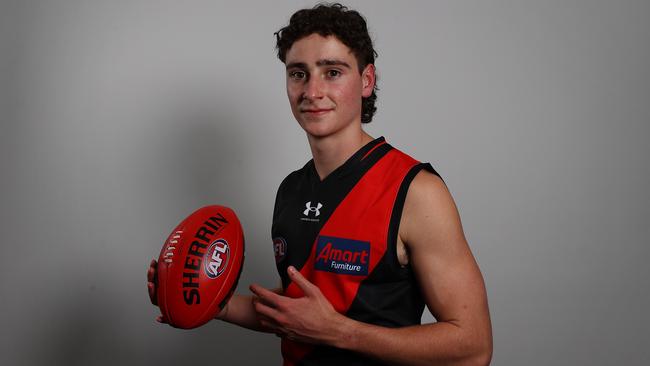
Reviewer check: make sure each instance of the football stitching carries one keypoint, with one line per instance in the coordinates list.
(169, 251)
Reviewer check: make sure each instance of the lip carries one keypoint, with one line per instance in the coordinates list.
(316, 112)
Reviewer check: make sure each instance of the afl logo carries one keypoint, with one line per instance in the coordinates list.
(279, 248)
(217, 258)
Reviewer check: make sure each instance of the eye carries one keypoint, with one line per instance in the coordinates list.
(333, 73)
(297, 74)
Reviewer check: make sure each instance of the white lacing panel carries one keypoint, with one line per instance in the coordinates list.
(169, 250)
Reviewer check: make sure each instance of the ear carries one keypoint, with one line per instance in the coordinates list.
(368, 79)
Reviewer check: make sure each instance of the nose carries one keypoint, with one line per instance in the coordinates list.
(313, 89)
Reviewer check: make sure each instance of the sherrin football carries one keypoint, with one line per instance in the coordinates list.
(199, 266)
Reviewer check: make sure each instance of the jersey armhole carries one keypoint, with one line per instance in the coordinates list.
(396, 214)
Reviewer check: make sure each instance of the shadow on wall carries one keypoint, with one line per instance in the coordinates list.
(80, 326)
(191, 155)
(202, 155)
(201, 159)
(198, 154)
(92, 327)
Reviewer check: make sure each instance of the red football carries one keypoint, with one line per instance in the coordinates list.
(199, 266)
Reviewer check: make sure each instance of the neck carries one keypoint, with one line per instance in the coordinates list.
(330, 152)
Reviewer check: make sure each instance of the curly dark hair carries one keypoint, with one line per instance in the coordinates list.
(347, 25)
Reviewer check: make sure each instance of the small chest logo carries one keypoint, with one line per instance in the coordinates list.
(344, 256)
(312, 209)
(217, 258)
(279, 248)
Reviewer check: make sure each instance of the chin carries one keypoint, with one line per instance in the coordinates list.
(319, 132)
(317, 127)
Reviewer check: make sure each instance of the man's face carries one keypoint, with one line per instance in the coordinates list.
(324, 85)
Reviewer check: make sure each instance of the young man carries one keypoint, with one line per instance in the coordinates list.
(364, 235)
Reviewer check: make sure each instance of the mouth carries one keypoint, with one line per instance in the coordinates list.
(316, 111)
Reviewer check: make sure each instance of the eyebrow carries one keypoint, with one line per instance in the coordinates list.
(323, 62)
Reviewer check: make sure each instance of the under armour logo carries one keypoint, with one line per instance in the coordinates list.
(312, 209)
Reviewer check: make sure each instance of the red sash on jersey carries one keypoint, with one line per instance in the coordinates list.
(357, 230)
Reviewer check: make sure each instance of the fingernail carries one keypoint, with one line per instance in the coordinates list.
(292, 269)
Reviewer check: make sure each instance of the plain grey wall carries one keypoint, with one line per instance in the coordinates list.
(121, 117)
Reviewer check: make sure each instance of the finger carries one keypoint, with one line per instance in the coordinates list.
(151, 272)
(267, 296)
(152, 293)
(257, 300)
(265, 311)
(222, 312)
(307, 287)
(271, 327)
(268, 323)
(161, 319)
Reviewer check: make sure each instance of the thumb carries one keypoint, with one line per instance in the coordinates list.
(307, 287)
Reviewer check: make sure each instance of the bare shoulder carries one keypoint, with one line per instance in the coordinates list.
(429, 209)
(426, 186)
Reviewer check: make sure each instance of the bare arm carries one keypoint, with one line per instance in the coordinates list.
(240, 310)
(450, 281)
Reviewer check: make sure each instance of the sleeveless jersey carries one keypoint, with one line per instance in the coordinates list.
(341, 234)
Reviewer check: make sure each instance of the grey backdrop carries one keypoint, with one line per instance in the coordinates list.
(121, 117)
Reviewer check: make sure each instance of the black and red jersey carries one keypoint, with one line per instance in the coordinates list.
(341, 234)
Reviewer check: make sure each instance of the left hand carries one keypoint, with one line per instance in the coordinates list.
(308, 319)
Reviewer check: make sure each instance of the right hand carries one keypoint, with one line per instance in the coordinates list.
(152, 282)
